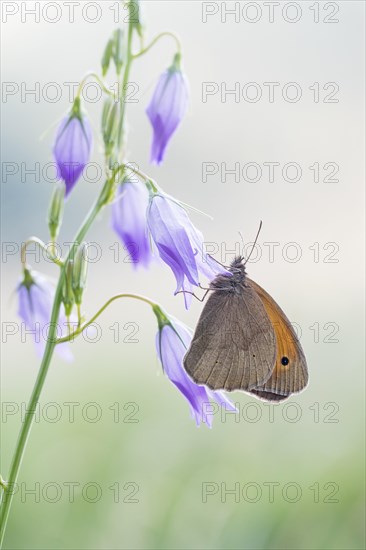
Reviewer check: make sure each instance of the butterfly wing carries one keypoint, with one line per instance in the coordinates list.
(286, 378)
(234, 345)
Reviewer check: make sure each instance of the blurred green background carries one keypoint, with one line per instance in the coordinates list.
(129, 468)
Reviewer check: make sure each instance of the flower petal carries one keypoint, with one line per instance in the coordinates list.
(172, 343)
(72, 149)
(129, 221)
(35, 307)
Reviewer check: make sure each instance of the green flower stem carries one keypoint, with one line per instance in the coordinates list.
(125, 166)
(42, 246)
(78, 331)
(125, 80)
(102, 200)
(140, 173)
(46, 360)
(155, 40)
(98, 79)
(78, 309)
(28, 421)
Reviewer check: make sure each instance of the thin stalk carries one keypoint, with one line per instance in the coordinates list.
(101, 201)
(29, 416)
(125, 80)
(78, 331)
(78, 309)
(98, 79)
(42, 246)
(50, 346)
(155, 40)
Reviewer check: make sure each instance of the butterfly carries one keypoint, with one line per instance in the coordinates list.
(244, 341)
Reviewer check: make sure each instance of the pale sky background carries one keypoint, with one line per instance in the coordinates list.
(305, 212)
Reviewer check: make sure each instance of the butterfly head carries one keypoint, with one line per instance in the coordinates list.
(238, 265)
(231, 283)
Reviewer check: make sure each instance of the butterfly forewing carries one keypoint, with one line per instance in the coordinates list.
(234, 345)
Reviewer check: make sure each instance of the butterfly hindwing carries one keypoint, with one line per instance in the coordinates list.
(290, 373)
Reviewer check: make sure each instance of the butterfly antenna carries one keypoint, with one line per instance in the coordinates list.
(255, 242)
(242, 242)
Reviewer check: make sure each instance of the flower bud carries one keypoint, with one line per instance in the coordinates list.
(80, 272)
(56, 211)
(108, 103)
(110, 124)
(118, 50)
(68, 297)
(134, 7)
(107, 56)
(167, 108)
(72, 146)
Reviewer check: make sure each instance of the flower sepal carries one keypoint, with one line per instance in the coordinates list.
(134, 8)
(118, 50)
(107, 56)
(176, 65)
(161, 317)
(76, 109)
(152, 188)
(110, 118)
(28, 280)
(56, 210)
(68, 297)
(80, 272)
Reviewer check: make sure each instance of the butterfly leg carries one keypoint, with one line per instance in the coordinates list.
(193, 294)
(204, 288)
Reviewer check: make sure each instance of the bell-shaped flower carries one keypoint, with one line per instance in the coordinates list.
(180, 244)
(172, 343)
(35, 300)
(129, 221)
(72, 146)
(167, 108)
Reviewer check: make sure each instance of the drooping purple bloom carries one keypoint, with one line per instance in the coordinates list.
(172, 343)
(180, 244)
(35, 300)
(72, 146)
(167, 108)
(129, 221)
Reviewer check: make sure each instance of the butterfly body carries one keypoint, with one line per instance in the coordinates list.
(244, 341)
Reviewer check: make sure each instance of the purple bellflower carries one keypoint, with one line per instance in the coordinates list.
(35, 299)
(180, 244)
(167, 108)
(172, 343)
(129, 221)
(72, 146)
